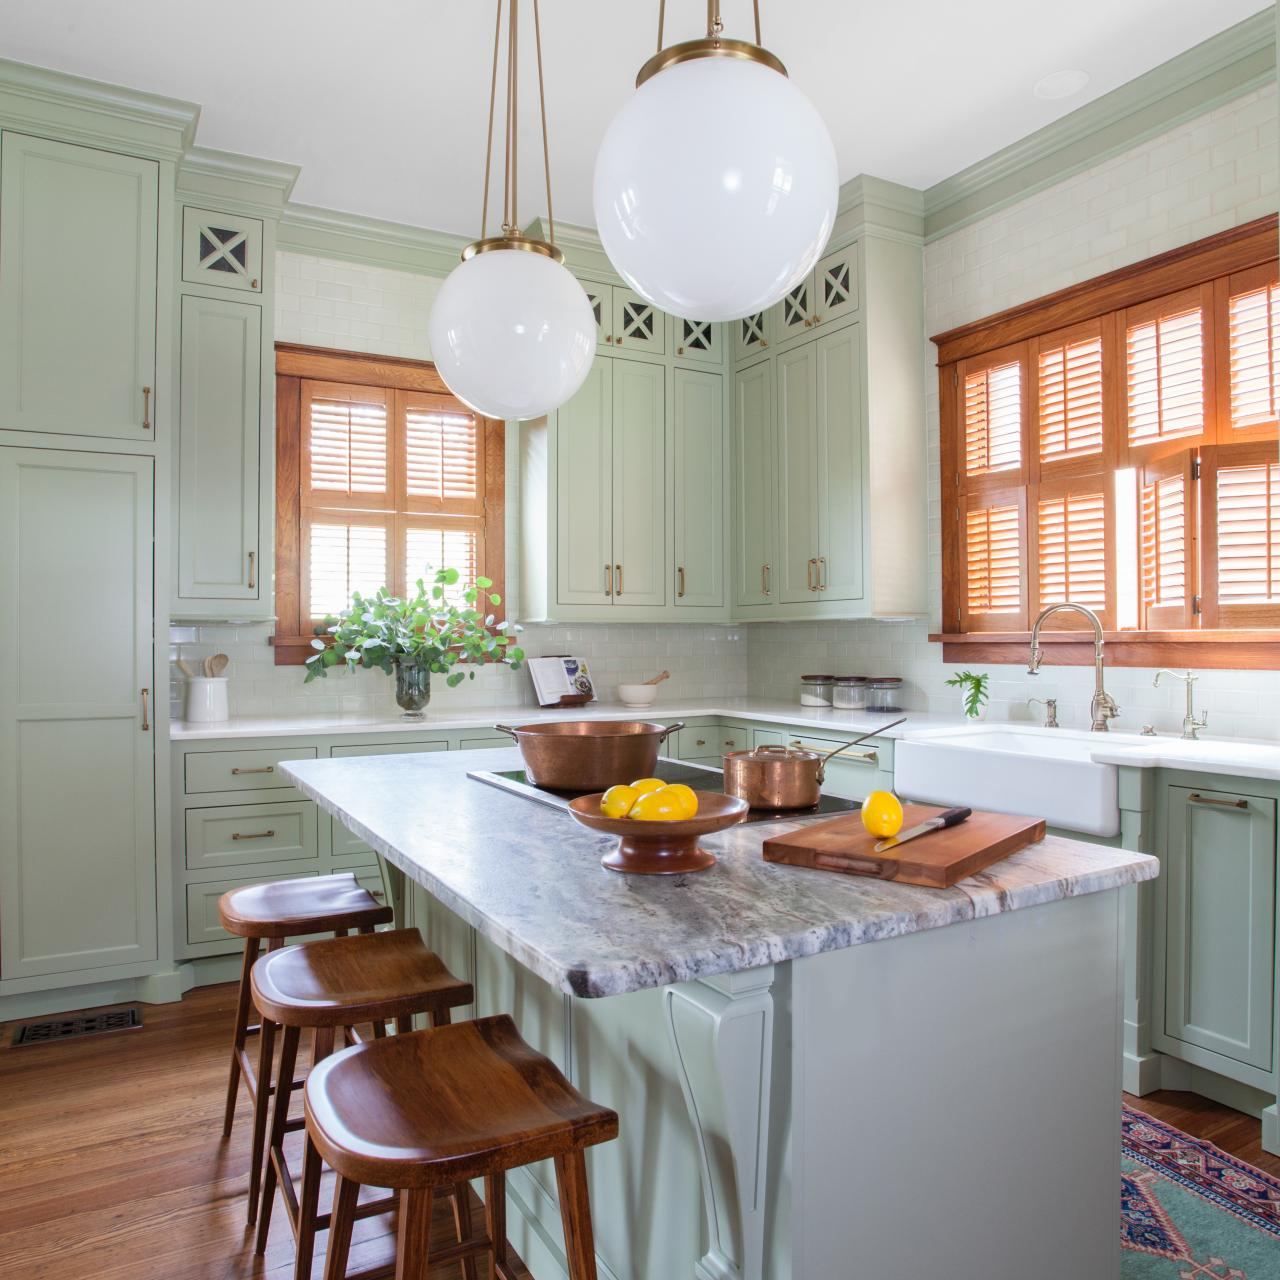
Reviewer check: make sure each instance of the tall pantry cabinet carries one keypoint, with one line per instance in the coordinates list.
(86, 423)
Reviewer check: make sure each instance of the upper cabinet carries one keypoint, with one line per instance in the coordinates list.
(698, 341)
(697, 488)
(221, 250)
(78, 255)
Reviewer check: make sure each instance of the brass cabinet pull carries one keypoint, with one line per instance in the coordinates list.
(811, 570)
(862, 757)
(679, 351)
(609, 337)
(1196, 798)
(146, 710)
(608, 579)
(618, 570)
(270, 768)
(700, 742)
(822, 573)
(252, 835)
(764, 342)
(253, 569)
(146, 408)
(764, 579)
(679, 582)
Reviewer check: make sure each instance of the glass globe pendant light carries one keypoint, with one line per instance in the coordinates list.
(512, 333)
(716, 184)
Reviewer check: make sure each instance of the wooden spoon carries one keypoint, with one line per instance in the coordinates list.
(185, 668)
(218, 664)
(659, 678)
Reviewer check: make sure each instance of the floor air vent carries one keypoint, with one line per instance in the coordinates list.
(90, 1024)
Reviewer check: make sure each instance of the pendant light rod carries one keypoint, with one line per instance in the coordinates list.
(713, 45)
(510, 236)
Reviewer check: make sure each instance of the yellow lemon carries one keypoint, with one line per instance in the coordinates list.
(882, 813)
(657, 806)
(687, 797)
(645, 785)
(617, 801)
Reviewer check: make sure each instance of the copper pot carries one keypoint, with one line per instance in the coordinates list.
(782, 777)
(588, 755)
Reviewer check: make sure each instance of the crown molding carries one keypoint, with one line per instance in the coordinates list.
(1222, 68)
(90, 112)
(351, 237)
(245, 184)
(879, 207)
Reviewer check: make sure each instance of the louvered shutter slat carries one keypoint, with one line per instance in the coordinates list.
(1072, 549)
(1253, 344)
(1164, 543)
(1249, 534)
(344, 558)
(1070, 400)
(993, 560)
(348, 446)
(428, 549)
(441, 455)
(993, 419)
(1165, 365)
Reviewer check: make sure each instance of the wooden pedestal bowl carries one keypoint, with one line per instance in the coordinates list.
(661, 848)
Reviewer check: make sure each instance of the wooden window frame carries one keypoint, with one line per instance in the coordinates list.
(1210, 270)
(401, 380)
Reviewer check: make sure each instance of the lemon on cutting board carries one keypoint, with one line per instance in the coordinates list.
(882, 814)
(617, 801)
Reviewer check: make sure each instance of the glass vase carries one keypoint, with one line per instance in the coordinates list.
(413, 689)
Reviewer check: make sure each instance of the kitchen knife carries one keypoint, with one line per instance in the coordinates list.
(948, 818)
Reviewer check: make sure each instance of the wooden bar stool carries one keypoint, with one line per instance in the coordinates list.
(331, 984)
(430, 1110)
(273, 912)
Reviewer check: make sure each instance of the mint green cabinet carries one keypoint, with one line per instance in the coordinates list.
(78, 246)
(798, 439)
(827, 295)
(1216, 933)
(697, 487)
(751, 335)
(625, 321)
(841, 484)
(219, 557)
(754, 456)
(222, 250)
(77, 740)
(698, 341)
(611, 488)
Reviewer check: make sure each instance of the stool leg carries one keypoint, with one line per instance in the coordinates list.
(243, 1002)
(462, 1225)
(322, 1044)
(260, 1104)
(575, 1214)
(403, 1023)
(495, 1222)
(345, 1194)
(279, 1118)
(414, 1238)
(308, 1208)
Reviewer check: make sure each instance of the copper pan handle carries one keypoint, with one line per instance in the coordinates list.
(670, 729)
(507, 729)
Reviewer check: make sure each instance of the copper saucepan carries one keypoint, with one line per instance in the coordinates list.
(783, 777)
(588, 755)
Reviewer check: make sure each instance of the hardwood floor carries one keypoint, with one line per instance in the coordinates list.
(1237, 1134)
(113, 1165)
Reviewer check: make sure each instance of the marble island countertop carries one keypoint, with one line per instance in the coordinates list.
(529, 879)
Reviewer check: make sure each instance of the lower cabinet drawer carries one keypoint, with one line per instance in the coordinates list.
(389, 749)
(249, 770)
(251, 834)
(202, 906)
(710, 742)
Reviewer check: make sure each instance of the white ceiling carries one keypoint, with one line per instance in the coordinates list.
(383, 102)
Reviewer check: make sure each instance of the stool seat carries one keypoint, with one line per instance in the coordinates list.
(305, 904)
(430, 1109)
(368, 977)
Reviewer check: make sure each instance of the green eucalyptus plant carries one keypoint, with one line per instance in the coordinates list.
(431, 629)
(975, 690)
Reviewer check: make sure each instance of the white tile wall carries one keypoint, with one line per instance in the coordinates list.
(324, 303)
(705, 662)
(1209, 174)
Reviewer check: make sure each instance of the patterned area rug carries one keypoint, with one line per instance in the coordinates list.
(1192, 1212)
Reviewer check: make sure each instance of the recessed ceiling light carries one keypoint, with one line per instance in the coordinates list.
(1061, 84)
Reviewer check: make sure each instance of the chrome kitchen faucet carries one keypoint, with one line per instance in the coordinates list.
(1103, 706)
(1190, 725)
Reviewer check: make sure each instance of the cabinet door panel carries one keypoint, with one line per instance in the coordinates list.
(637, 325)
(584, 482)
(700, 341)
(1219, 878)
(77, 289)
(754, 478)
(798, 458)
(698, 488)
(793, 316)
(77, 771)
(839, 466)
(639, 484)
(218, 450)
(836, 284)
(750, 335)
(223, 250)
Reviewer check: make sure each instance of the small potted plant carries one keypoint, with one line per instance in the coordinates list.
(975, 688)
(418, 636)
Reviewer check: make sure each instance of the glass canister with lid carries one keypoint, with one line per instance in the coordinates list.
(884, 693)
(815, 691)
(849, 693)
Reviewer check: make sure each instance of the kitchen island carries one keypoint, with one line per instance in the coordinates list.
(794, 1102)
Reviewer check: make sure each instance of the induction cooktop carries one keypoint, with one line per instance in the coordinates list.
(699, 777)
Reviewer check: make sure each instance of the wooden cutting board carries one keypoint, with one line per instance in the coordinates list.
(937, 860)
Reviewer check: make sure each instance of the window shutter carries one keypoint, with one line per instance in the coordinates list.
(1166, 538)
(346, 442)
(1069, 400)
(342, 558)
(427, 548)
(993, 568)
(1253, 356)
(993, 418)
(443, 457)
(1165, 372)
(1072, 548)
